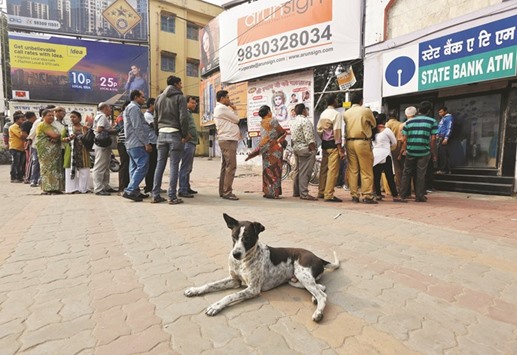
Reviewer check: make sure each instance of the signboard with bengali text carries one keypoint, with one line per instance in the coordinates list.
(481, 53)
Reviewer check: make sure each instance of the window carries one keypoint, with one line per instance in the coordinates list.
(168, 61)
(192, 31)
(168, 23)
(192, 67)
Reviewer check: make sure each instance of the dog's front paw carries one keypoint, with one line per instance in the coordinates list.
(191, 292)
(317, 316)
(213, 309)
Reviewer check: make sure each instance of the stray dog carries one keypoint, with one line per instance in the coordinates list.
(261, 268)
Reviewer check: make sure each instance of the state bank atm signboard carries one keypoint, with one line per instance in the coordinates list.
(275, 36)
(60, 69)
(482, 53)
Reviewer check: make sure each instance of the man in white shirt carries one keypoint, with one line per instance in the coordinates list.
(101, 171)
(228, 135)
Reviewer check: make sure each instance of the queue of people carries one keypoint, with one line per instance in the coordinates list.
(48, 153)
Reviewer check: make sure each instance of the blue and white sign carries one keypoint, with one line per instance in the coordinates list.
(400, 71)
(481, 53)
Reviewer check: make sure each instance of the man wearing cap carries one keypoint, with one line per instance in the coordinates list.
(101, 171)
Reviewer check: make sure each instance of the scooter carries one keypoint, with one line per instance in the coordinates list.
(114, 163)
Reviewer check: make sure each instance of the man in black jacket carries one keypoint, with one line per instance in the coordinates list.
(171, 124)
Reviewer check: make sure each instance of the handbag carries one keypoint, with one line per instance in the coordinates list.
(103, 139)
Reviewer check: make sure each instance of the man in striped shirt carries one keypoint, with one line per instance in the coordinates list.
(418, 141)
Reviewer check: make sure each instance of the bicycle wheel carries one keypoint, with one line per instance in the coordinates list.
(286, 169)
(315, 176)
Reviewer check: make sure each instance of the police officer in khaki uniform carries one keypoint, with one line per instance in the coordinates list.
(359, 122)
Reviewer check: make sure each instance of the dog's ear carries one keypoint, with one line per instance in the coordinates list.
(258, 227)
(230, 222)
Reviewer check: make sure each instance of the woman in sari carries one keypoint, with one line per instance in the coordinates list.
(77, 161)
(271, 147)
(49, 153)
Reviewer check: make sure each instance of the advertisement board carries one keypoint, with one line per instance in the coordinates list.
(69, 70)
(281, 93)
(481, 53)
(107, 19)
(209, 47)
(268, 37)
(207, 98)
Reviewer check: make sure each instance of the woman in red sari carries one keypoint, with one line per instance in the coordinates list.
(271, 147)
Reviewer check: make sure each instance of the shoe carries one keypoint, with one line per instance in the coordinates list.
(230, 197)
(175, 201)
(398, 199)
(378, 198)
(158, 199)
(103, 193)
(421, 199)
(370, 201)
(34, 185)
(296, 195)
(440, 172)
(16, 181)
(193, 192)
(186, 195)
(132, 197)
(355, 199)
(141, 195)
(309, 198)
(321, 196)
(333, 199)
(111, 190)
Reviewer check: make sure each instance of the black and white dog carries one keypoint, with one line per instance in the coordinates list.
(261, 268)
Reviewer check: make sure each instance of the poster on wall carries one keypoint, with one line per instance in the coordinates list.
(268, 37)
(207, 98)
(281, 93)
(69, 70)
(209, 47)
(107, 19)
(87, 111)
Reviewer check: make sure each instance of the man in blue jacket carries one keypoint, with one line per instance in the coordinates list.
(444, 133)
(137, 145)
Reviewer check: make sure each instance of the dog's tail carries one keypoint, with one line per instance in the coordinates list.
(335, 265)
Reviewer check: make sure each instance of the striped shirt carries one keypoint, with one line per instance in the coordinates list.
(418, 132)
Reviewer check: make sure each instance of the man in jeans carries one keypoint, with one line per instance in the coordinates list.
(228, 135)
(137, 145)
(418, 142)
(188, 153)
(171, 123)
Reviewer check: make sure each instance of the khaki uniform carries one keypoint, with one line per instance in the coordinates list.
(359, 122)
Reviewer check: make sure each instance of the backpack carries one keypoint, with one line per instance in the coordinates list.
(88, 139)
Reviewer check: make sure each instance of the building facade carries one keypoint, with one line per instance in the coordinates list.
(459, 54)
(175, 50)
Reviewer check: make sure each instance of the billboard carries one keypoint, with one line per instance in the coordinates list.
(481, 53)
(107, 19)
(281, 93)
(207, 98)
(268, 37)
(60, 69)
(209, 47)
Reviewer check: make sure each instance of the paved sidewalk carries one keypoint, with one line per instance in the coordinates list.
(86, 274)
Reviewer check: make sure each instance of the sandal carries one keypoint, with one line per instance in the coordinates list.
(309, 198)
(175, 201)
(398, 199)
(158, 199)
